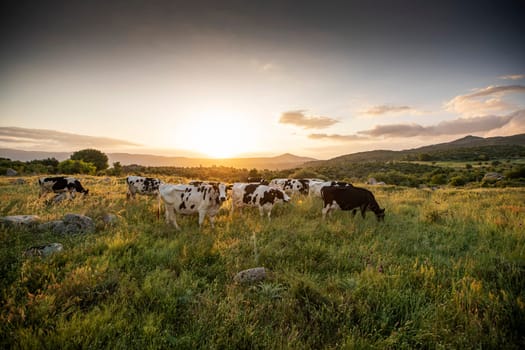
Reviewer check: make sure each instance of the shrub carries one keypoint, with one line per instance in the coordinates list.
(76, 167)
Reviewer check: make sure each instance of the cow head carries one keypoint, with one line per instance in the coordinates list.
(279, 194)
(222, 191)
(380, 214)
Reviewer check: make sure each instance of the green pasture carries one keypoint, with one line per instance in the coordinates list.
(446, 270)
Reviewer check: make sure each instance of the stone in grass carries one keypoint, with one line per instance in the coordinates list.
(255, 274)
(11, 172)
(20, 220)
(109, 219)
(70, 224)
(44, 250)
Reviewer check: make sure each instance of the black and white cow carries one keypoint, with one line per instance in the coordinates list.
(259, 180)
(61, 185)
(142, 185)
(204, 199)
(257, 195)
(316, 186)
(350, 198)
(291, 186)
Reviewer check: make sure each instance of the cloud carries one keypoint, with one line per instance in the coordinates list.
(337, 137)
(384, 109)
(56, 140)
(512, 77)
(298, 118)
(451, 127)
(485, 101)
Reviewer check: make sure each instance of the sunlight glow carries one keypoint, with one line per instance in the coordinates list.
(220, 134)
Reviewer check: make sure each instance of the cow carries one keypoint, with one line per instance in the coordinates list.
(350, 198)
(259, 180)
(316, 186)
(61, 185)
(291, 186)
(204, 199)
(142, 185)
(257, 195)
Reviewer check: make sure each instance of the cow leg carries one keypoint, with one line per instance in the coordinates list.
(363, 211)
(202, 215)
(212, 221)
(171, 217)
(326, 210)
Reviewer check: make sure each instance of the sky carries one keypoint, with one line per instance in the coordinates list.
(259, 78)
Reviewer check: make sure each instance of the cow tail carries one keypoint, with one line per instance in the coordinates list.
(158, 207)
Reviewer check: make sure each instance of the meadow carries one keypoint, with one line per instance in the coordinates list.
(445, 270)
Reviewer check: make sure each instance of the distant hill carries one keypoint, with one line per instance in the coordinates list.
(284, 161)
(454, 150)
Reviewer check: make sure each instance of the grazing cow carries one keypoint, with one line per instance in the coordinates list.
(204, 199)
(142, 185)
(259, 180)
(291, 186)
(350, 198)
(256, 195)
(316, 186)
(61, 185)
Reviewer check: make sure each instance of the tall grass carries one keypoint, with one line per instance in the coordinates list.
(445, 270)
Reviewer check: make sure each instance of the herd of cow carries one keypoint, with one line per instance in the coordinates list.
(206, 198)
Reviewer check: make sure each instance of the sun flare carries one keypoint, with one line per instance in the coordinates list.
(220, 134)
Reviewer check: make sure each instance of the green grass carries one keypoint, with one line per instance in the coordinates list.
(445, 270)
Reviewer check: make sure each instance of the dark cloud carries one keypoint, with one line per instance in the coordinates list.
(298, 118)
(57, 139)
(452, 127)
(383, 109)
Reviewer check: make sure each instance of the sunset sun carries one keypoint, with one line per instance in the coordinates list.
(220, 134)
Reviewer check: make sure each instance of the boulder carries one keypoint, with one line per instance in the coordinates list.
(70, 224)
(255, 274)
(11, 172)
(44, 250)
(19, 182)
(20, 220)
(492, 177)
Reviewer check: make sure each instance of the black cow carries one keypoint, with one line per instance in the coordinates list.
(350, 198)
(60, 184)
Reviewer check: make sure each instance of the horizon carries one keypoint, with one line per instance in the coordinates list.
(242, 80)
(255, 157)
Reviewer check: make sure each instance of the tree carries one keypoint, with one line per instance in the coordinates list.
(69, 166)
(93, 156)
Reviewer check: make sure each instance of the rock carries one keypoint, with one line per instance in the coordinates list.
(371, 181)
(76, 223)
(11, 172)
(491, 177)
(70, 224)
(20, 220)
(251, 275)
(52, 226)
(19, 182)
(109, 219)
(44, 250)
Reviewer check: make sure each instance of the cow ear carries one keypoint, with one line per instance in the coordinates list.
(229, 187)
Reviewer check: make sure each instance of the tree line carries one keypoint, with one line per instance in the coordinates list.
(402, 173)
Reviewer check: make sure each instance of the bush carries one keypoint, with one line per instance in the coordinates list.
(96, 157)
(457, 181)
(76, 167)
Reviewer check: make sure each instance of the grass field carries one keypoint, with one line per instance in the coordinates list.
(445, 270)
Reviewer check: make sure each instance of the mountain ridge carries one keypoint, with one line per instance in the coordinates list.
(283, 161)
